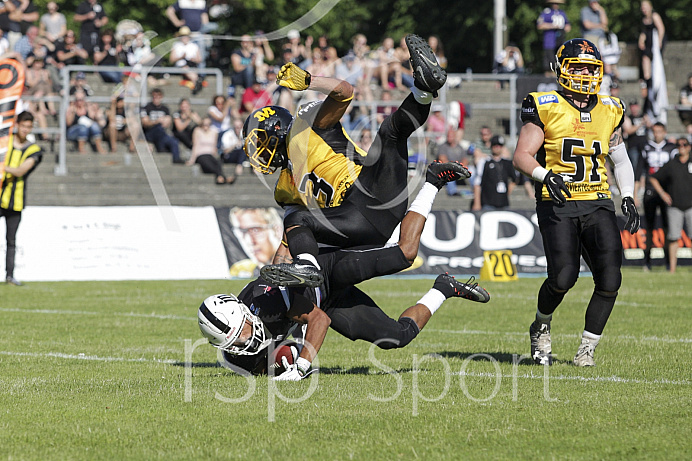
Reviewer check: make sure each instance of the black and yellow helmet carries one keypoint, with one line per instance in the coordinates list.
(572, 55)
(265, 133)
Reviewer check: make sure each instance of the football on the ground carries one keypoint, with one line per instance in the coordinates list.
(288, 349)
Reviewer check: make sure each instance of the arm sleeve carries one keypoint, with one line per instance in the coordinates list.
(622, 169)
(529, 112)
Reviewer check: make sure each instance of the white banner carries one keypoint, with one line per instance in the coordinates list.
(117, 243)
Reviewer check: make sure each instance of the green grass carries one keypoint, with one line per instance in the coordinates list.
(125, 398)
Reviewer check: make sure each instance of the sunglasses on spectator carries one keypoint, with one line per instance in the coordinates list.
(683, 144)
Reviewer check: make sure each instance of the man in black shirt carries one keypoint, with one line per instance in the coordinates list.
(495, 179)
(673, 183)
(93, 17)
(156, 119)
(655, 153)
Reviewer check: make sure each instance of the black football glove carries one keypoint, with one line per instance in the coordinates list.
(629, 210)
(556, 185)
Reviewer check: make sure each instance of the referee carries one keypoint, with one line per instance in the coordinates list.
(22, 158)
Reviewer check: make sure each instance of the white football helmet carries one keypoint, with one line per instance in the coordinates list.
(222, 318)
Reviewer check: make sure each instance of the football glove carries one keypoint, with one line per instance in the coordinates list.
(294, 372)
(293, 77)
(555, 184)
(629, 210)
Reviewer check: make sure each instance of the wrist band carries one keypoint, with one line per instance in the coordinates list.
(539, 173)
(303, 365)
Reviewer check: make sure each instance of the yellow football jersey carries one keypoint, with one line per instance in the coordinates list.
(323, 163)
(576, 140)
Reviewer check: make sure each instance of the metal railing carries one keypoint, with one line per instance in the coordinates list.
(140, 88)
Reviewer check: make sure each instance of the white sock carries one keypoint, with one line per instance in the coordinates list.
(423, 202)
(591, 337)
(433, 299)
(543, 318)
(310, 258)
(421, 97)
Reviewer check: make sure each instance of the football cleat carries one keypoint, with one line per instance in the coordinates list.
(541, 350)
(427, 73)
(292, 275)
(452, 288)
(584, 357)
(13, 281)
(439, 173)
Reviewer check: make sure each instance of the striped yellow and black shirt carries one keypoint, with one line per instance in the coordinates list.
(13, 192)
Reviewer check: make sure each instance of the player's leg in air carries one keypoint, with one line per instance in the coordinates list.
(378, 199)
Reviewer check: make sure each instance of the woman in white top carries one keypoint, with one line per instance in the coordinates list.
(205, 152)
(222, 111)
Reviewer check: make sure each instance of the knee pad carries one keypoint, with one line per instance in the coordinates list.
(408, 329)
(565, 279)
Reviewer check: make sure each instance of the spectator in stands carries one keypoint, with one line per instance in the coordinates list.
(594, 22)
(494, 179)
(387, 107)
(116, 129)
(107, 53)
(186, 55)
(685, 113)
(243, 63)
(452, 151)
(25, 45)
(300, 53)
(194, 15)
(554, 24)
(38, 84)
(5, 50)
(263, 55)
(15, 18)
(205, 153)
(69, 52)
(404, 56)
(53, 25)
(222, 112)
(92, 17)
(438, 49)
(483, 143)
(436, 124)
(652, 30)
(456, 117)
(509, 61)
(82, 124)
(231, 143)
(365, 140)
(389, 66)
(673, 183)
(156, 120)
(80, 84)
(255, 97)
(185, 120)
(21, 160)
(635, 128)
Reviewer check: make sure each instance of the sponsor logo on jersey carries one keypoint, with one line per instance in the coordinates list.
(546, 99)
(307, 107)
(607, 101)
(602, 196)
(585, 117)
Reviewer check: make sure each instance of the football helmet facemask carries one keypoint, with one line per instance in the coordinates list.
(571, 58)
(265, 133)
(222, 318)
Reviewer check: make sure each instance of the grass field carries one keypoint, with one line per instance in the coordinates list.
(97, 371)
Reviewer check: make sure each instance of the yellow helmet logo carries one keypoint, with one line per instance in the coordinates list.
(264, 113)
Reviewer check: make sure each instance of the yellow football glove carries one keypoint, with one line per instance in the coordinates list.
(293, 77)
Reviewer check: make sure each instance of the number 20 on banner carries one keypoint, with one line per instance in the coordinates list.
(498, 266)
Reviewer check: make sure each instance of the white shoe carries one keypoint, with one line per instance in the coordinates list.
(541, 349)
(584, 357)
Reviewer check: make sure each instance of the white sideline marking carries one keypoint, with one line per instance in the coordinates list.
(121, 314)
(96, 358)
(564, 335)
(600, 379)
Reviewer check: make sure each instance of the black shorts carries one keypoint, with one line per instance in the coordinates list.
(594, 233)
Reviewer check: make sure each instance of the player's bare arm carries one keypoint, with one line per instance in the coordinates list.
(334, 107)
(305, 312)
(530, 141)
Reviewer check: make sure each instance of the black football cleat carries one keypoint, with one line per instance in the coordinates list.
(427, 73)
(452, 288)
(292, 275)
(439, 173)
